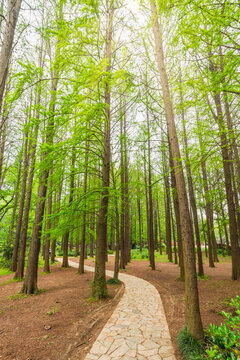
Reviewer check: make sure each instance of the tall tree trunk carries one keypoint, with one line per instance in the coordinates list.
(167, 213)
(191, 190)
(228, 185)
(49, 225)
(128, 244)
(159, 227)
(30, 281)
(147, 203)
(116, 262)
(21, 261)
(123, 260)
(174, 237)
(71, 193)
(194, 322)
(99, 287)
(82, 249)
(13, 266)
(13, 9)
(204, 233)
(225, 231)
(15, 199)
(206, 195)
(177, 216)
(151, 239)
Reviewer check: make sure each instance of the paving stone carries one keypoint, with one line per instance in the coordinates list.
(137, 328)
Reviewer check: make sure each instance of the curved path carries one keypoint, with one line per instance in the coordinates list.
(137, 328)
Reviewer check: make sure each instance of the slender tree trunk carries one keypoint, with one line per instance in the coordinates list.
(208, 203)
(83, 239)
(147, 203)
(151, 239)
(15, 200)
(92, 231)
(77, 242)
(122, 228)
(21, 261)
(126, 193)
(225, 231)
(194, 322)
(116, 262)
(13, 266)
(204, 234)
(177, 216)
(30, 281)
(99, 287)
(220, 231)
(191, 190)
(71, 193)
(159, 227)
(228, 186)
(49, 225)
(13, 9)
(167, 214)
(174, 238)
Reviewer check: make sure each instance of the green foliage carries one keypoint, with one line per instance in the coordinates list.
(5, 259)
(138, 255)
(113, 281)
(223, 340)
(190, 348)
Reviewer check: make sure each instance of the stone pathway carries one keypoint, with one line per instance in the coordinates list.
(137, 328)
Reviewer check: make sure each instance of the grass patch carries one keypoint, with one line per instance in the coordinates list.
(1, 311)
(5, 271)
(91, 300)
(190, 348)
(203, 277)
(113, 281)
(53, 310)
(18, 296)
(10, 281)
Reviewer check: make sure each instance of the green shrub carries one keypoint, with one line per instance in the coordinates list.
(110, 252)
(4, 263)
(137, 254)
(7, 251)
(113, 281)
(5, 259)
(190, 348)
(223, 340)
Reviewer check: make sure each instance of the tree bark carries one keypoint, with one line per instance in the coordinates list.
(228, 187)
(83, 239)
(46, 268)
(151, 239)
(15, 199)
(21, 261)
(30, 281)
(13, 266)
(194, 322)
(71, 193)
(99, 287)
(13, 10)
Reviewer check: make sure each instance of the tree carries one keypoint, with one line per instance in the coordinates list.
(194, 322)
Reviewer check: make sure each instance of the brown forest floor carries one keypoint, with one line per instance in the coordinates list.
(74, 324)
(213, 291)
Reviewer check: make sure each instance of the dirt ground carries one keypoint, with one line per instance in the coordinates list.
(60, 323)
(213, 291)
(75, 321)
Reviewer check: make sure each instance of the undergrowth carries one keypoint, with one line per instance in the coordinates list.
(190, 348)
(221, 342)
(112, 281)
